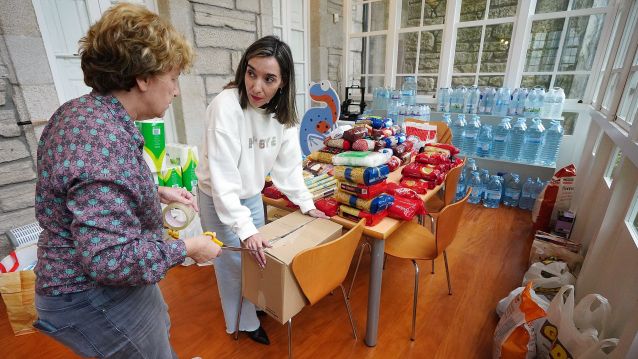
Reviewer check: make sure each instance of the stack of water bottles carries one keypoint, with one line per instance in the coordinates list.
(518, 143)
(492, 190)
(502, 102)
(400, 104)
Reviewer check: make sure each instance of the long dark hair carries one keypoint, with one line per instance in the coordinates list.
(283, 103)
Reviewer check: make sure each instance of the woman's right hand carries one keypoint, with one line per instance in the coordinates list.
(257, 242)
(201, 248)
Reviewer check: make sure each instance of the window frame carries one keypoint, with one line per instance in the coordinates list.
(522, 23)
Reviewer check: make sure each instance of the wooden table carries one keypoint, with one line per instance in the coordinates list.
(378, 233)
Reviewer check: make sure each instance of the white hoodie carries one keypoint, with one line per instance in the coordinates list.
(241, 147)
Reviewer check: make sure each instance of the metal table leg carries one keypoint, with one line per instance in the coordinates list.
(374, 292)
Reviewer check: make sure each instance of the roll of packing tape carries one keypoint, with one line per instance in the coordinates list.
(177, 216)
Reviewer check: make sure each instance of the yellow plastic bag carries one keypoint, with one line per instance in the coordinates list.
(18, 293)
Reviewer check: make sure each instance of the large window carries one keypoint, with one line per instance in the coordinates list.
(483, 40)
(419, 43)
(563, 45)
(468, 42)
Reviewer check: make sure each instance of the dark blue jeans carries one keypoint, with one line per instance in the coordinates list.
(108, 322)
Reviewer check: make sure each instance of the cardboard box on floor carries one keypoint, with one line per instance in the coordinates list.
(275, 288)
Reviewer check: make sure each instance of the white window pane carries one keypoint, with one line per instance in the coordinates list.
(406, 59)
(630, 26)
(500, 9)
(374, 82)
(297, 14)
(360, 15)
(588, 4)
(430, 53)
(628, 97)
(545, 6)
(613, 82)
(543, 45)
(496, 45)
(573, 85)
(379, 15)
(299, 78)
(468, 42)
(376, 55)
(297, 45)
(356, 56)
(581, 42)
(411, 13)
(610, 43)
(632, 216)
(614, 165)
(597, 89)
(276, 12)
(472, 10)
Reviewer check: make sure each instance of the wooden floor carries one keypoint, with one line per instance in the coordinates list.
(487, 260)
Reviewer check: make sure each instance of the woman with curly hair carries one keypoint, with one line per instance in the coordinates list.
(102, 252)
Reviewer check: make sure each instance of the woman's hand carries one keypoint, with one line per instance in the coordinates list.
(169, 194)
(317, 214)
(257, 242)
(201, 248)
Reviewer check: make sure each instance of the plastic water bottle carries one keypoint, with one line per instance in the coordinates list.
(559, 101)
(534, 102)
(493, 192)
(485, 179)
(517, 137)
(384, 98)
(447, 119)
(548, 104)
(470, 166)
(458, 132)
(501, 138)
(520, 102)
(511, 109)
(470, 135)
(408, 91)
(488, 100)
(538, 188)
(512, 191)
(526, 201)
(551, 144)
(444, 97)
(393, 105)
(533, 141)
(484, 142)
(458, 99)
(472, 98)
(502, 102)
(460, 187)
(477, 188)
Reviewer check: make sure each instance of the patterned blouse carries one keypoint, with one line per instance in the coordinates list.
(97, 203)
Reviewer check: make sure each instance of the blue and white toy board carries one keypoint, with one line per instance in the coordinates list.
(319, 121)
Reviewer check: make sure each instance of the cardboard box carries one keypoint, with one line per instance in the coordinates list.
(275, 288)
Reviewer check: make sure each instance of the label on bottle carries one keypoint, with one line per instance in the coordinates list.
(533, 141)
(512, 193)
(495, 195)
(469, 135)
(500, 138)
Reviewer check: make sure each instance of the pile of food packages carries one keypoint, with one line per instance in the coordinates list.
(348, 177)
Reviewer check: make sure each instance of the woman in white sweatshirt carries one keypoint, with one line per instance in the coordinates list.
(250, 132)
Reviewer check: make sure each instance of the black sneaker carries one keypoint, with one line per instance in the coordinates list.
(259, 335)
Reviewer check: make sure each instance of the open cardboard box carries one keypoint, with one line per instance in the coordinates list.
(275, 288)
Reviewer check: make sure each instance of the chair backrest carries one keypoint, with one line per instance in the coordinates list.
(443, 132)
(448, 222)
(323, 268)
(451, 180)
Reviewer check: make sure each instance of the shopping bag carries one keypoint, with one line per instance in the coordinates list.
(592, 314)
(515, 337)
(548, 277)
(502, 305)
(18, 293)
(558, 336)
(602, 350)
(542, 250)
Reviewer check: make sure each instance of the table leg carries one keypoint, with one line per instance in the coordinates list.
(374, 292)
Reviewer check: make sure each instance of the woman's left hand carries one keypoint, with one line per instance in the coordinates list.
(317, 214)
(169, 194)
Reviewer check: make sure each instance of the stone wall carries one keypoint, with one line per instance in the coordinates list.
(26, 94)
(326, 42)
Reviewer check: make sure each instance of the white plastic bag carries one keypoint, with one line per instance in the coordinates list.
(558, 336)
(502, 305)
(548, 277)
(21, 259)
(515, 336)
(592, 314)
(602, 350)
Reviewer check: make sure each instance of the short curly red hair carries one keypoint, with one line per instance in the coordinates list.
(128, 42)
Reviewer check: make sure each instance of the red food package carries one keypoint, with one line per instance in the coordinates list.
(272, 192)
(340, 143)
(453, 150)
(403, 148)
(393, 163)
(363, 144)
(397, 191)
(355, 133)
(557, 195)
(419, 170)
(405, 208)
(406, 158)
(419, 185)
(354, 214)
(328, 205)
(361, 190)
(432, 158)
